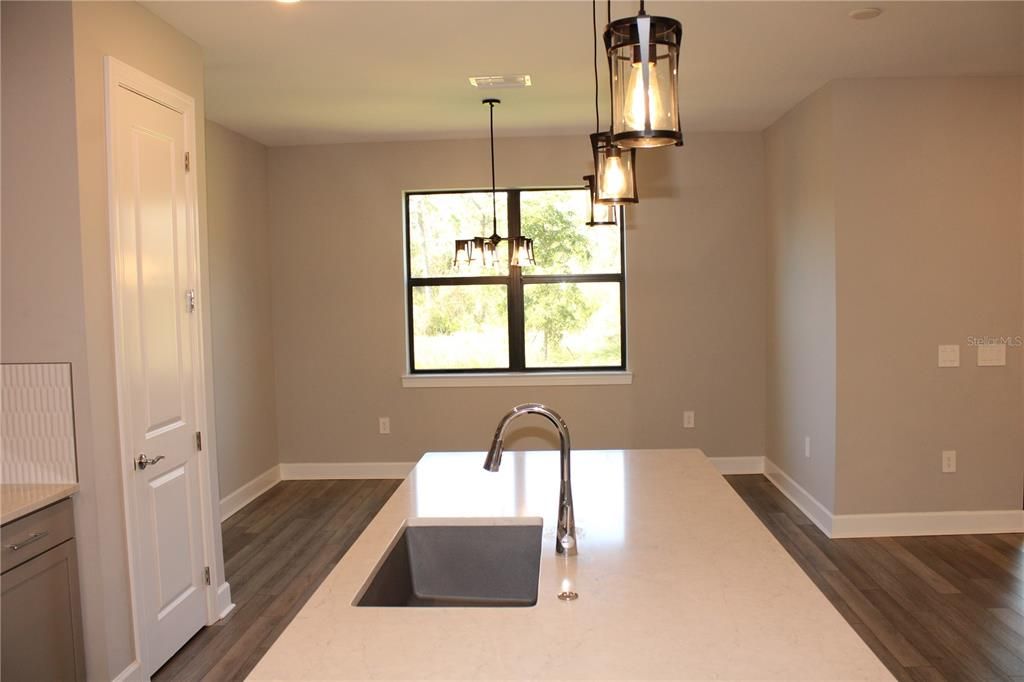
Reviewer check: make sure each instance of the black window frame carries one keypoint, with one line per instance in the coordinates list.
(515, 281)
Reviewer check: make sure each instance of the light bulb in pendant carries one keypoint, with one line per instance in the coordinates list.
(635, 113)
(613, 176)
(488, 255)
(604, 214)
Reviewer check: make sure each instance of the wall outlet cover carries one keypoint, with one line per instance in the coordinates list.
(949, 355)
(384, 425)
(948, 461)
(992, 355)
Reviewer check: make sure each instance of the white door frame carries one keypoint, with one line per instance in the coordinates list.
(117, 74)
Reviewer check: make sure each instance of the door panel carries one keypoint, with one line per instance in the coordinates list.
(172, 532)
(161, 239)
(159, 338)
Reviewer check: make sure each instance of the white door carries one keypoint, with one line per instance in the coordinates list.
(155, 247)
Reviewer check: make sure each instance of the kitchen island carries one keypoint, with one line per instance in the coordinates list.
(677, 579)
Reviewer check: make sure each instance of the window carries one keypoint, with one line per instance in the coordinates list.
(565, 313)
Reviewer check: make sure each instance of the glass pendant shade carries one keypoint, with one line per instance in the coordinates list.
(521, 251)
(463, 252)
(600, 214)
(643, 59)
(487, 250)
(615, 171)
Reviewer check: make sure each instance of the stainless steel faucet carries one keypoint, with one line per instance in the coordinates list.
(565, 533)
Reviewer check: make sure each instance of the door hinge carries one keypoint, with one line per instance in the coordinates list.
(199, 440)
(206, 574)
(190, 300)
(187, 164)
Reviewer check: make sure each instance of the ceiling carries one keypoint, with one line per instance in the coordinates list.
(327, 72)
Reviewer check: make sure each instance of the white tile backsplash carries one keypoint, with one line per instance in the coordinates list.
(37, 425)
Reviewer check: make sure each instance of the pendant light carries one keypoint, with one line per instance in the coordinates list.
(463, 252)
(521, 251)
(600, 214)
(614, 168)
(643, 60)
(486, 248)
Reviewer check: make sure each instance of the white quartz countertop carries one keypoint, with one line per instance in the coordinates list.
(677, 580)
(21, 499)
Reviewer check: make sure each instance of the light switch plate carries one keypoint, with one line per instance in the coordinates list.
(949, 461)
(949, 356)
(384, 425)
(688, 419)
(992, 355)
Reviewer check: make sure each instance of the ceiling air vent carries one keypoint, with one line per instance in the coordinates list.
(499, 82)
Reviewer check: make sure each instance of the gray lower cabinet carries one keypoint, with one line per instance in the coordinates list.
(42, 623)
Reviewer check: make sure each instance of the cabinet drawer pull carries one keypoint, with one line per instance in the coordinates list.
(33, 537)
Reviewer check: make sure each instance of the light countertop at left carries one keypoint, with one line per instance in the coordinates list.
(21, 499)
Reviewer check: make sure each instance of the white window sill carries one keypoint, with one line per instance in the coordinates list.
(517, 379)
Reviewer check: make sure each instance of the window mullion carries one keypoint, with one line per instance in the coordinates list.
(516, 334)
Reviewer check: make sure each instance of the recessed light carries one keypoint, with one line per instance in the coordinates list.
(497, 82)
(865, 13)
(287, 2)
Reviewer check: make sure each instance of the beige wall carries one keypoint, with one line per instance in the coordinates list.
(43, 307)
(240, 294)
(40, 186)
(921, 181)
(695, 296)
(802, 299)
(928, 201)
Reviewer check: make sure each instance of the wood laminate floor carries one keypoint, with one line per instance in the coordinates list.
(277, 551)
(931, 608)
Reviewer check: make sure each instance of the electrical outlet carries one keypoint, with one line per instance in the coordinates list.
(949, 356)
(384, 424)
(688, 419)
(949, 461)
(807, 447)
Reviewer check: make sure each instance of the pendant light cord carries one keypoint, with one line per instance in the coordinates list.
(494, 186)
(597, 84)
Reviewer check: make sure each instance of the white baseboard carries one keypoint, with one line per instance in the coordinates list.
(294, 471)
(224, 603)
(299, 471)
(730, 466)
(805, 502)
(133, 673)
(232, 502)
(893, 524)
(928, 523)
(832, 525)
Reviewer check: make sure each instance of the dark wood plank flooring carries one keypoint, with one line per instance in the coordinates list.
(931, 608)
(277, 551)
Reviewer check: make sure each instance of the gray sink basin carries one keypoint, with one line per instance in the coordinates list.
(459, 566)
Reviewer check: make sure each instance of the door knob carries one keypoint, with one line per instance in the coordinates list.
(142, 462)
